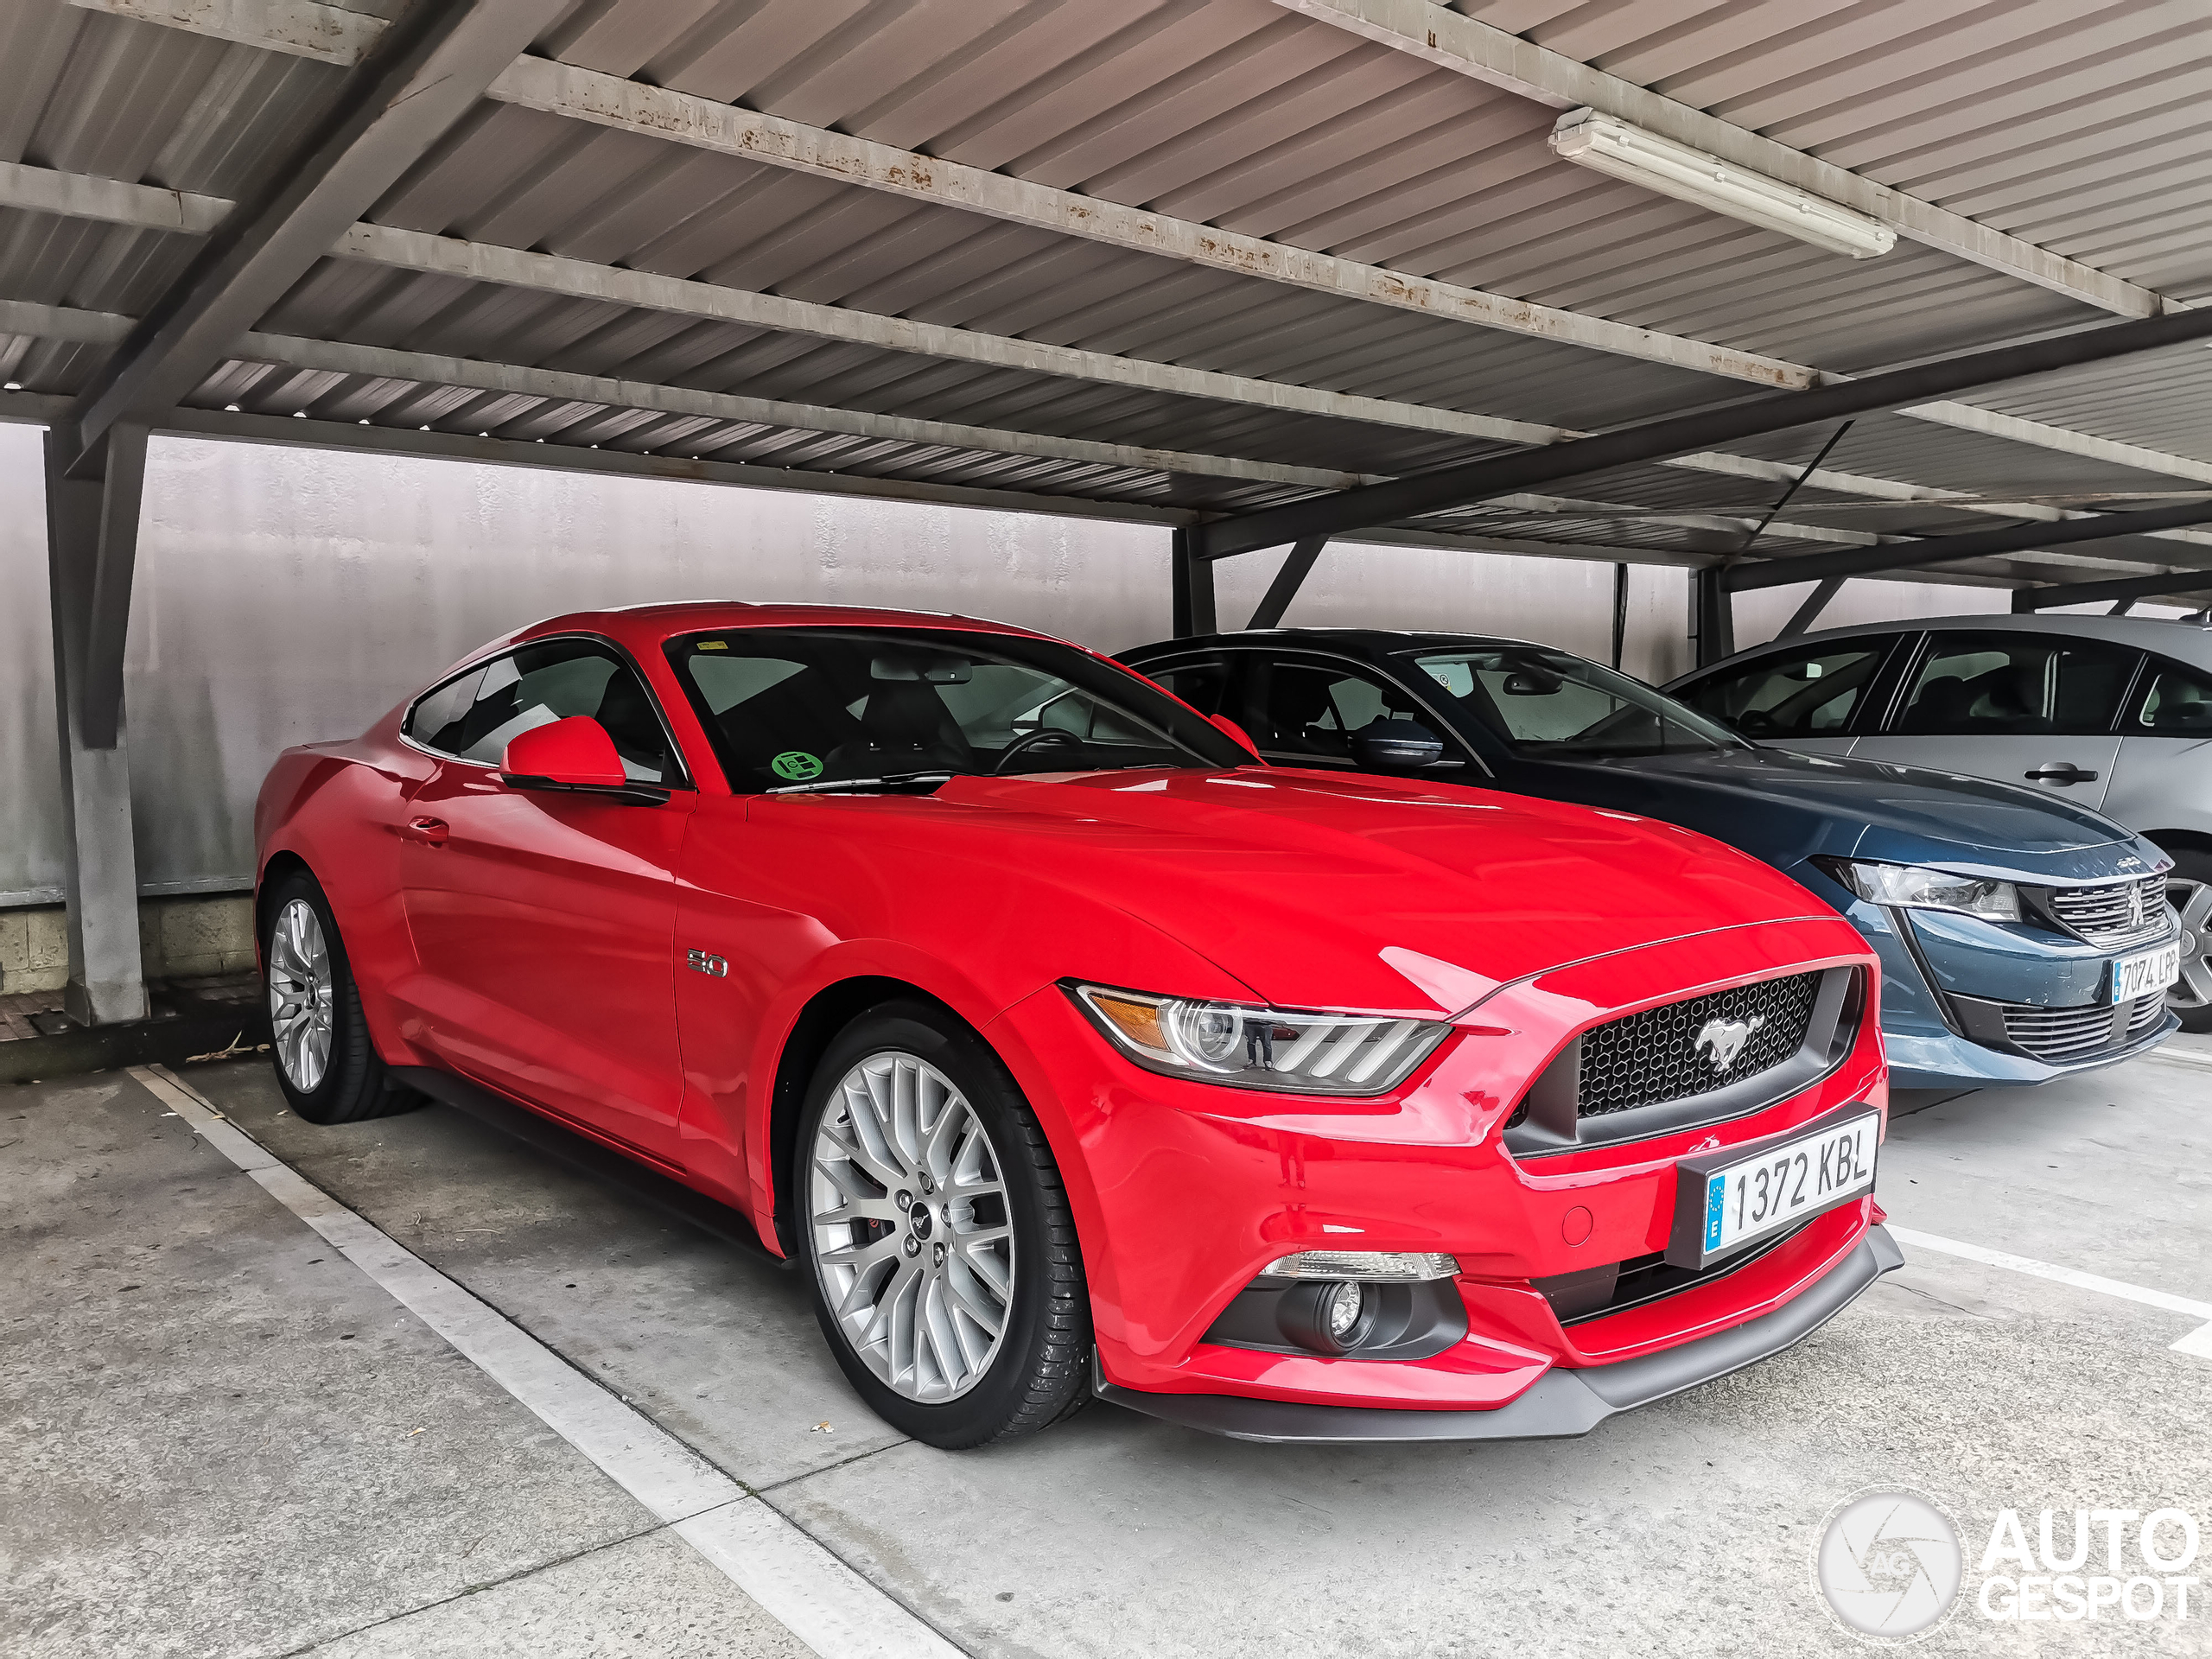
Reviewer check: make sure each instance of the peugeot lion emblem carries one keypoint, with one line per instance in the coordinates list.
(1726, 1037)
(2135, 909)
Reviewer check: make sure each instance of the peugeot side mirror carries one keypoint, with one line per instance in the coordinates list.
(1393, 745)
(575, 755)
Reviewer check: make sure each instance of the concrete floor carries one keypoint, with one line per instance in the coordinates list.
(218, 1437)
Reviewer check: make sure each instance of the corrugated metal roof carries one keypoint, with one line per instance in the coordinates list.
(2068, 124)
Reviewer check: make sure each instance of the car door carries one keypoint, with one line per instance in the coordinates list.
(2163, 779)
(1811, 698)
(544, 923)
(2014, 706)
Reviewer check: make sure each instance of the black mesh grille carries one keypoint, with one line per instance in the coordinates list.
(2058, 1035)
(1655, 1056)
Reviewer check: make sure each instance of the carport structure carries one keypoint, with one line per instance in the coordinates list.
(1266, 271)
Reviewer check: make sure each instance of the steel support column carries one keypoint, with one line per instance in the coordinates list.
(1192, 576)
(1297, 565)
(1806, 615)
(1716, 615)
(92, 531)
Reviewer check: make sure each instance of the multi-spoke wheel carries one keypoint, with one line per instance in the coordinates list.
(325, 1065)
(911, 1235)
(2189, 890)
(300, 992)
(945, 1270)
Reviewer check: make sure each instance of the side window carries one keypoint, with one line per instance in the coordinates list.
(2000, 685)
(1810, 693)
(2176, 702)
(1204, 683)
(536, 685)
(435, 721)
(1306, 711)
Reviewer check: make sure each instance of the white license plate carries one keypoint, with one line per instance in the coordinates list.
(2139, 976)
(1788, 1182)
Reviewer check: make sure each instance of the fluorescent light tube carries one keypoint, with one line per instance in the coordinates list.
(1592, 140)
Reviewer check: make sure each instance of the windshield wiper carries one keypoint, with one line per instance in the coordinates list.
(894, 780)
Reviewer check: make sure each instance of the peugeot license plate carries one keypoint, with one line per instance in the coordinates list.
(1726, 1200)
(2151, 970)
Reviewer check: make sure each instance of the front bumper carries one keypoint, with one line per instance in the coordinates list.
(1946, 970)
(1559, 1404)
(1184, 1191)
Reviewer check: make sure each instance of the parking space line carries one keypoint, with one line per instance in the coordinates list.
(821, 1601)
(2197, 1342)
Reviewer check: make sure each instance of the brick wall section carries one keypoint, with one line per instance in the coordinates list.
(185, 936)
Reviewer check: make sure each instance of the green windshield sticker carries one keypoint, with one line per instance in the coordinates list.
(797, 765)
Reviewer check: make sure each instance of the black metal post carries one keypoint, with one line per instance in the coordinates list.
(1716, 620)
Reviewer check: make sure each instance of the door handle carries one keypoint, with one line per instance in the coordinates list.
(432, 831)
(2063, 772)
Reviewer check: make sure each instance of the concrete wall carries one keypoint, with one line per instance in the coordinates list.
(184, 937)
(290, 595)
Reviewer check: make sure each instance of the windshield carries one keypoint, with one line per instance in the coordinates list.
(1552, 705)
(794, 708)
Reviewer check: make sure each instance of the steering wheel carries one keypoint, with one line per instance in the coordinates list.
(1029, 741)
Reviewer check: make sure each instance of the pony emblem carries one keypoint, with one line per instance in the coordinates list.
(1726, 1037)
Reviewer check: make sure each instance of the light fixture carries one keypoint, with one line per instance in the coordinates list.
(1600, 142)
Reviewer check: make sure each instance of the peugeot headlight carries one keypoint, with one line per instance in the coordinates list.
(1916, 887)
(1296, 1051)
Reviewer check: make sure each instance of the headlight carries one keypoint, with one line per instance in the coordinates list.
(1295, 1051)
(1916, 887)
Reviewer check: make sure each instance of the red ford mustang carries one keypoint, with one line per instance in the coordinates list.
(1073, 1049)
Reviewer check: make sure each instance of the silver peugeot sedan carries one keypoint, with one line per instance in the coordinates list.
(2113, 713)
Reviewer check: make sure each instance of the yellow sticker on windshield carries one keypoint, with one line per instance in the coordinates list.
(712, 645)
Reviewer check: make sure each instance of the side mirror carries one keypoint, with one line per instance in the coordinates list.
(1393, 745)
(576, 755)
(1237, 732)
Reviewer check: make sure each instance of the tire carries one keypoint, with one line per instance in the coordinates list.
(2190, 890)
(909, 1103)
(329, 1069)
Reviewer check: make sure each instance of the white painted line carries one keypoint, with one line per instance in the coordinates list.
(813, 1594)
(2198, 1342)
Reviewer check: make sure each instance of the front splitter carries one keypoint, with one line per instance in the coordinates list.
(1559, 1404)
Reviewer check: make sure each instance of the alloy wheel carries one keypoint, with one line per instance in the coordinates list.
(2193, 990)
(302, 992)
(914, 1241)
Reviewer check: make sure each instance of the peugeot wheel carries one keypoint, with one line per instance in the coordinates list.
(2189, 890)
(329, 1069)
(940, 1247)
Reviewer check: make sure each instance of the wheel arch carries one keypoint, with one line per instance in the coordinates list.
(2179, 841)
(828, 1012)
(279, 865)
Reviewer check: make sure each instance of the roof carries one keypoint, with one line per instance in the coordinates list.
(2184, 640)
(1157, 259)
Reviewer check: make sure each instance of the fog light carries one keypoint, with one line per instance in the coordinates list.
(1347, 1302)
(1387, 1267)
(1330, 1317)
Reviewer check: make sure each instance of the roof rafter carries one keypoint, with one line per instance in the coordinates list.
(655, 113)
(1466, 45)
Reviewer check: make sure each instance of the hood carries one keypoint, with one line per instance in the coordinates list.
(1319, 890)
(1783, 805)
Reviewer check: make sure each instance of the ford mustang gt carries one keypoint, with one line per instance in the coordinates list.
(1071, 1050)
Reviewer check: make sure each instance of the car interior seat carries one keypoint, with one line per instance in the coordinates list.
(905, 726)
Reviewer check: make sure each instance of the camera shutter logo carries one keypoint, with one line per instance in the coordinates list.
(1890, 1563)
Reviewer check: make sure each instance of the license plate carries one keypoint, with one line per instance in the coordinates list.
(1726, 1200)
(2139, 976)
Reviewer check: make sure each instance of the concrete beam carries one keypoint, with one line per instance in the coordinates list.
(1453, 41)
